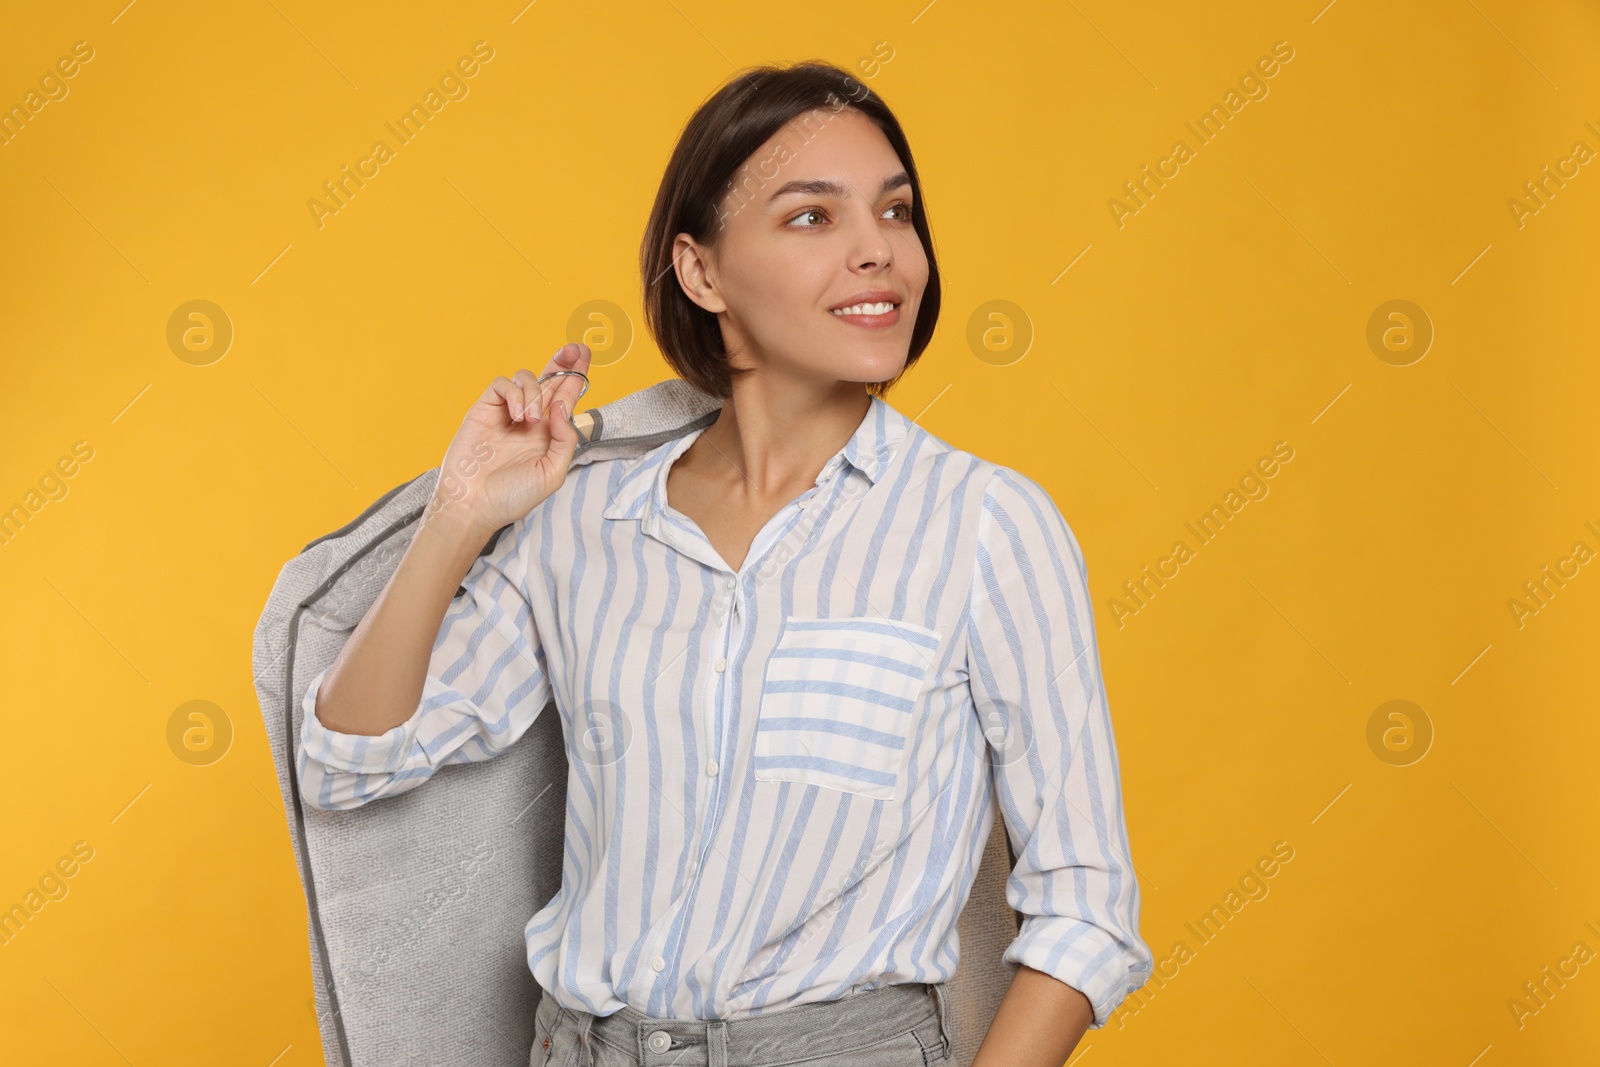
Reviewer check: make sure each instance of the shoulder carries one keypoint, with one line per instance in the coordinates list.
(1020, 517)
(1007, 491)
(1000, 495)
(930, 458)
(926, 450)
(1004, 490)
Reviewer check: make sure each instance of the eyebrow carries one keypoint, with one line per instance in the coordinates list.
(827, 187)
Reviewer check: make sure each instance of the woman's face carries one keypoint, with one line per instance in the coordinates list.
(821, 213)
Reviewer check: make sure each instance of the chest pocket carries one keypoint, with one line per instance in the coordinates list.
(837, 702)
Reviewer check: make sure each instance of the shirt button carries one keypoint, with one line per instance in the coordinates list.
(658, 963)
(711, 768)
(731, 583)
(722, 664)
(659, 1041)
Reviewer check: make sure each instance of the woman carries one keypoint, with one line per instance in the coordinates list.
(791, 649)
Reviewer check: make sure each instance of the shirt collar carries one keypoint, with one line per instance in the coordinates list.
(642, 484)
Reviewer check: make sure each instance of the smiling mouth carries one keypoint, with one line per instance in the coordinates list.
(872, 309)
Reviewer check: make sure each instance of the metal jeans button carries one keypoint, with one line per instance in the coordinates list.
(659, 1041)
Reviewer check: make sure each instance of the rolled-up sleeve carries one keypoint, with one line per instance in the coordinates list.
(486, 683)
(1034, 671)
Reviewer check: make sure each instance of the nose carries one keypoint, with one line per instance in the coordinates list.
(871, 245)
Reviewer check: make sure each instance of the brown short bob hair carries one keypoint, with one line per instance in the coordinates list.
(717, 142)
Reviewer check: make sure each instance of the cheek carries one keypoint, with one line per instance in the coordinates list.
(773, 290)
(916, 263)
(911, 263)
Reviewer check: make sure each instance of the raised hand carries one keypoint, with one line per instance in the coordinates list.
(514, 447)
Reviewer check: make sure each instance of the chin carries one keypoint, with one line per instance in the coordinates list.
(879, 370)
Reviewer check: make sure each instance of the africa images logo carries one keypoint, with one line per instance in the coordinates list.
(452, 86)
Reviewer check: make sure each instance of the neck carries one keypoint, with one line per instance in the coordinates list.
(773, 439)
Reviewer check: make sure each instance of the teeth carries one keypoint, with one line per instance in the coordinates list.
(866, 309)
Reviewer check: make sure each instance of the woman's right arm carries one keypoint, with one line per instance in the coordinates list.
(428, 677)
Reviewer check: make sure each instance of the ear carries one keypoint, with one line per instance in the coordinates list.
(697, 273)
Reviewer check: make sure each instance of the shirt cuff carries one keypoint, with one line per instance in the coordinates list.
(1084, 956)
(383, 753)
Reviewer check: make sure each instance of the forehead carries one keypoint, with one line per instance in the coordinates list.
(822, 146)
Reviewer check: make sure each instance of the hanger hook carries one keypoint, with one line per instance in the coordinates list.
(571, 420)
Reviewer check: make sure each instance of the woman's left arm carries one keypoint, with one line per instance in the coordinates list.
(1034, 671)
(1039, 1023)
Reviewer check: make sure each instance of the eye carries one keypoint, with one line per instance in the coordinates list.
(803, 214)
(901, 205)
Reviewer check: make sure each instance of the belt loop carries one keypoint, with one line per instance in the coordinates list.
(716, 1043)
(943, 1009)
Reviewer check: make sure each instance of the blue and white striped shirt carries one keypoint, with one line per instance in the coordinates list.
(779, 778)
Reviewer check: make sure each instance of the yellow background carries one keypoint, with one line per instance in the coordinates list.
(1226, 315)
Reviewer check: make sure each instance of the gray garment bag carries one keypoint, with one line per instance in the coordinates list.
(416, 903)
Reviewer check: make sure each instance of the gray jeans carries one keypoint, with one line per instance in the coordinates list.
(905, 1025)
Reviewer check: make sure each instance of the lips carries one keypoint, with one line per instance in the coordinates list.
(869, 296)
(873, 317)
(860, 311)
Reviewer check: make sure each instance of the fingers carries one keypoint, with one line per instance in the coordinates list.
(508, 394)
(563, 435)
(518, 401)
(567, 358)
(529, 400)
(567, 387)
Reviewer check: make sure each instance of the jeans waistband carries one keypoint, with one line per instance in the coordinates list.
(776, 1035)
